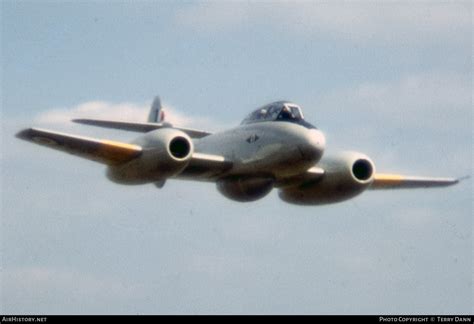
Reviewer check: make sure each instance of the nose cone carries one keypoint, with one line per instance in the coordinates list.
(314, 144)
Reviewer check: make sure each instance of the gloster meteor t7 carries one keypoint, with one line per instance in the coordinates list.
(274, 147)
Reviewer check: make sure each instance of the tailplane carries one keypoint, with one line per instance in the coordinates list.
(156, 120)
(156, 115)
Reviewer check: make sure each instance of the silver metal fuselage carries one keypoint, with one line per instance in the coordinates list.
(275, 149)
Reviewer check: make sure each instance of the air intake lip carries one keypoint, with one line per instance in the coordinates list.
(179, 147)
(362, 170)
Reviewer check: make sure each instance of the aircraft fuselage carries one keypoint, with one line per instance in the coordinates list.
(277, 149)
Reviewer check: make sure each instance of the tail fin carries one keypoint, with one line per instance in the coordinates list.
(156, 114)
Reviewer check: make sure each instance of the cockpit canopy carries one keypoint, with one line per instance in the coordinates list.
(277, 111)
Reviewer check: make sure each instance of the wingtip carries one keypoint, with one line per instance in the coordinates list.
(451, 181)
(24, 134)
(455, 181)
(79, 120)
(460, 179)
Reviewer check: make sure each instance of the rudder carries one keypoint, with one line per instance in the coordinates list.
(156, 114)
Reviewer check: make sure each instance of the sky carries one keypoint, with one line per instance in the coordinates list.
(390, 79)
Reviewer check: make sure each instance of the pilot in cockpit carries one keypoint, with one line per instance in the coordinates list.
(286, 114)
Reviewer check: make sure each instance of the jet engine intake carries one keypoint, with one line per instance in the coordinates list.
(345, 175)
(180, 147)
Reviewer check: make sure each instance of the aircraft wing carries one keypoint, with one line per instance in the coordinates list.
(396, 181)
(104, 151)
(206, 166)
(381, 180)
(138, 127)
(114, 153)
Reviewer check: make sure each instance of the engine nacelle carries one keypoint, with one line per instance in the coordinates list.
(166, 152)
(245, 189)
(346, 175)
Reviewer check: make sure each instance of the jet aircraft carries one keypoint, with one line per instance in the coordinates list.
(273, 148)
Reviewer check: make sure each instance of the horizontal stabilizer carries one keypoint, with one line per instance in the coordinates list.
(138, 127)
(129, 126)
(104, 151)
(396, 181)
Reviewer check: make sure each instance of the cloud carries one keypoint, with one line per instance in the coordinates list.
(357, 21)
(416, 92)
(420, 123)
(438, 100)
(132, 112)
(94, 109)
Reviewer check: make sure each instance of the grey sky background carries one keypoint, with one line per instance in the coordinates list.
(390, 79)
